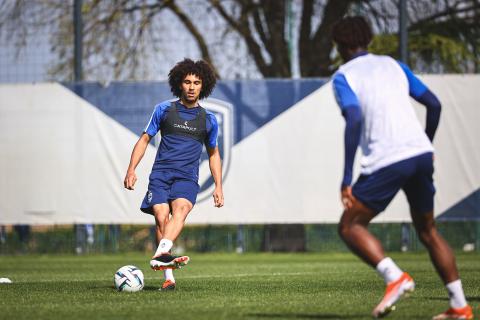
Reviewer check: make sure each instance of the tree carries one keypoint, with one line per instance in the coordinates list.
(279, 37)
(444, 36)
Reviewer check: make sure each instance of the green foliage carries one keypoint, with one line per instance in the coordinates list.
(429, 53)
(386, 44)
(222, 286)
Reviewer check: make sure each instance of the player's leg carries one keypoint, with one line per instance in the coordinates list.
(440, 252)
(170, 230)
(420, 193)
(444, 261)
(163, 259)
(162, 215)
(372, 195)
(156, 202)
(162, 219)
(180, 209)
(183, 194)
(353, 229)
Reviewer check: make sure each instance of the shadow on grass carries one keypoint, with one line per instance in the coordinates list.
(302, 316)
(477, 299)
(315, 316)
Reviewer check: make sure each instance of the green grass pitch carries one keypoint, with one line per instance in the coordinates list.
(222, 286)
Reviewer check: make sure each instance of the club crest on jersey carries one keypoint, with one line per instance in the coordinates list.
(223, 111)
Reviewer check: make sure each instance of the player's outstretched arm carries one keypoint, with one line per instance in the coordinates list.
(215, 163)
(137, 155)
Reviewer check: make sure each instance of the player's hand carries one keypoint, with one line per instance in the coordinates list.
(218, 197)
(130, 180)
(347, 197)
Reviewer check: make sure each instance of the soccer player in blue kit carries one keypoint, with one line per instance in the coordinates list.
(185, 127)
(374, 93)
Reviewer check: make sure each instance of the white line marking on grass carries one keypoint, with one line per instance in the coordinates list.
(204, 276)
(243, 275)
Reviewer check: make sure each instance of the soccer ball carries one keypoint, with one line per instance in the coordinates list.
(128, 278)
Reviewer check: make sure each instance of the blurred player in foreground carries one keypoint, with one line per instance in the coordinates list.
(172, 191)
(374, 96)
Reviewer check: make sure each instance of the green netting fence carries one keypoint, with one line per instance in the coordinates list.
(226, 238)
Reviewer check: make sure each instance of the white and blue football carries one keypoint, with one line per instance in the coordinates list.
(129, 279)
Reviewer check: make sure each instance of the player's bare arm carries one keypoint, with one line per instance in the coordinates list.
(137, 155)
(216, 170)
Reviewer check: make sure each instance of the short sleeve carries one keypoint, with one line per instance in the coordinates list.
(212, 130)
(153, 125)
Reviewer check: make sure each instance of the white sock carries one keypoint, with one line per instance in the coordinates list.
(389, 270)
(168, 274)
(455, 292)
(163, 247)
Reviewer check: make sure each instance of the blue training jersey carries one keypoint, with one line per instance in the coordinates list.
(178, 152)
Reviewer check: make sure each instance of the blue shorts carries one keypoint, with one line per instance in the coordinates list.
(165, 186)
(414, 176)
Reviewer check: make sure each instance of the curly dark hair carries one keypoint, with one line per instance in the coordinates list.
(200, 68)
(352, 32)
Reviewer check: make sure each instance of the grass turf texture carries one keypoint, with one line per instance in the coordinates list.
(222, 286)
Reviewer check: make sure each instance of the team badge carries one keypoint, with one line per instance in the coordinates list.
(149, 196)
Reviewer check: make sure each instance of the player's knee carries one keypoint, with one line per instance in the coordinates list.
(343, 230)
(162, 221)
(181, 211)
(161, 218)
(427, 235)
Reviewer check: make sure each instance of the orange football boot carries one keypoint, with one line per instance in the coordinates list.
(168, 285)
(395, 290)
(456, 313)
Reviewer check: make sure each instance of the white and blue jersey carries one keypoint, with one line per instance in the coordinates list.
(381, 87)
(374, 95)
(177, 152)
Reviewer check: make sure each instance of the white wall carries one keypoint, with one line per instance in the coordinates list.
(63, 161)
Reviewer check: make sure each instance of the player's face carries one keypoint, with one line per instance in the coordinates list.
(191, 88)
